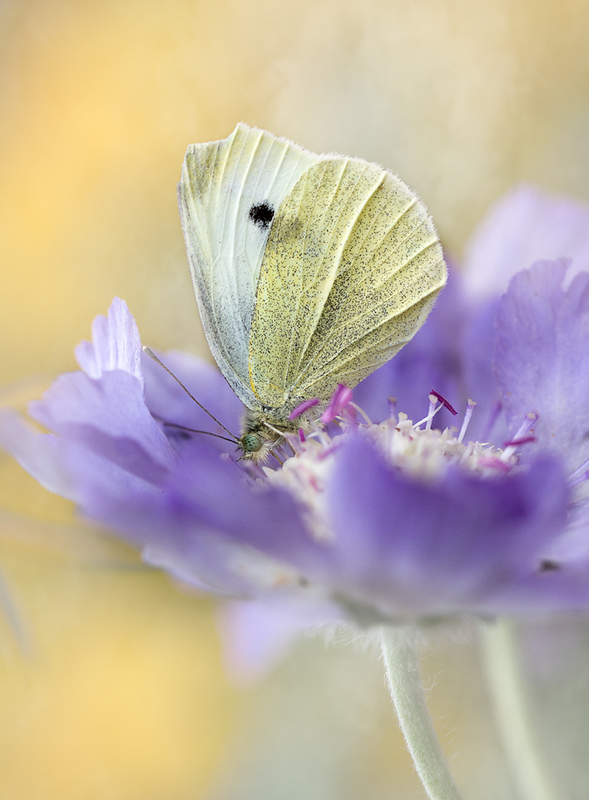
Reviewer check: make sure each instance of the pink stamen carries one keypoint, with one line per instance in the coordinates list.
(329, 450)
(521, 435)
(495, 463)
(305, 406)
(520, 441)
(444, 402)
(302, 437)
(340, 399)
(313, 482)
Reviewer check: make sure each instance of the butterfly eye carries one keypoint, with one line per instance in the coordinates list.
(250, 443)
(261, 215)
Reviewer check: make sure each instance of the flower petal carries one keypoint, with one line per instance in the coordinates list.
(115, 344)
(37, 453)
(108, 416)
(542, 358)
(523, 226)
(429, 549)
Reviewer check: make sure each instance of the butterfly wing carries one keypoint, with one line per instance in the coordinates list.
(350, 270)
(228, 193)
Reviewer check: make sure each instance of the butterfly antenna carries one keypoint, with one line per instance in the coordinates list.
(149, 352)
(190, 430)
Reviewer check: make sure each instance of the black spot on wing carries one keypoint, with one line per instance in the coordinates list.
(261, 214)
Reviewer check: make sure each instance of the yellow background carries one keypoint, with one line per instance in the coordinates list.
(117, 690)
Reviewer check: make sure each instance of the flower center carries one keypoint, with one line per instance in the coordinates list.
(415, 449)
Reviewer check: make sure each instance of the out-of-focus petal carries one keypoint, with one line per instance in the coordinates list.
(432, 549)
(572, 549)
(523, 226)
(256, 636)
(37, 453)
(542, 358)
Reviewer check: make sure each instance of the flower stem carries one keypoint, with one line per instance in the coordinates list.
(402, 671)
(509, 696)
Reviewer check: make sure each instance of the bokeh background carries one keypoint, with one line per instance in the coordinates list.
(112, 682)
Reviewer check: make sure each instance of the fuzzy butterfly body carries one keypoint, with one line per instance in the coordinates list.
(309, 270)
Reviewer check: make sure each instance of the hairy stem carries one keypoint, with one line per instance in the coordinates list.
(404, 680)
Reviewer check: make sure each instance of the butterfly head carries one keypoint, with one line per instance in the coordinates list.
(263, 430)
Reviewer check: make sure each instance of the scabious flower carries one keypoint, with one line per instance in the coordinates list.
(383, 513)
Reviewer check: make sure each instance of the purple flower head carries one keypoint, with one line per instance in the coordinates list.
(388, 514)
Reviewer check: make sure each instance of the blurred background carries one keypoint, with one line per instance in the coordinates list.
(112, 682)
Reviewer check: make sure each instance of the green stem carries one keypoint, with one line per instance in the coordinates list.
(509, 695)
(402, 671)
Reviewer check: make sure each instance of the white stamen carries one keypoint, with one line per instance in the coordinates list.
(470, 406)
(362, 413)
(432, 411)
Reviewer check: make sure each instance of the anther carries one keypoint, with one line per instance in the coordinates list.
(304, 406)
(339, 400)
(444, 402)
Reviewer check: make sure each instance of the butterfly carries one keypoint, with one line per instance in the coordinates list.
(309, 271)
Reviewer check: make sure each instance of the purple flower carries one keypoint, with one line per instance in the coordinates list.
(380, 518)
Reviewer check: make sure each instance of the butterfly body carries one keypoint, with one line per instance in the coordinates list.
(309, 270)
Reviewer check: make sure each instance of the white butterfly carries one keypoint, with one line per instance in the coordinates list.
(309, 270)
